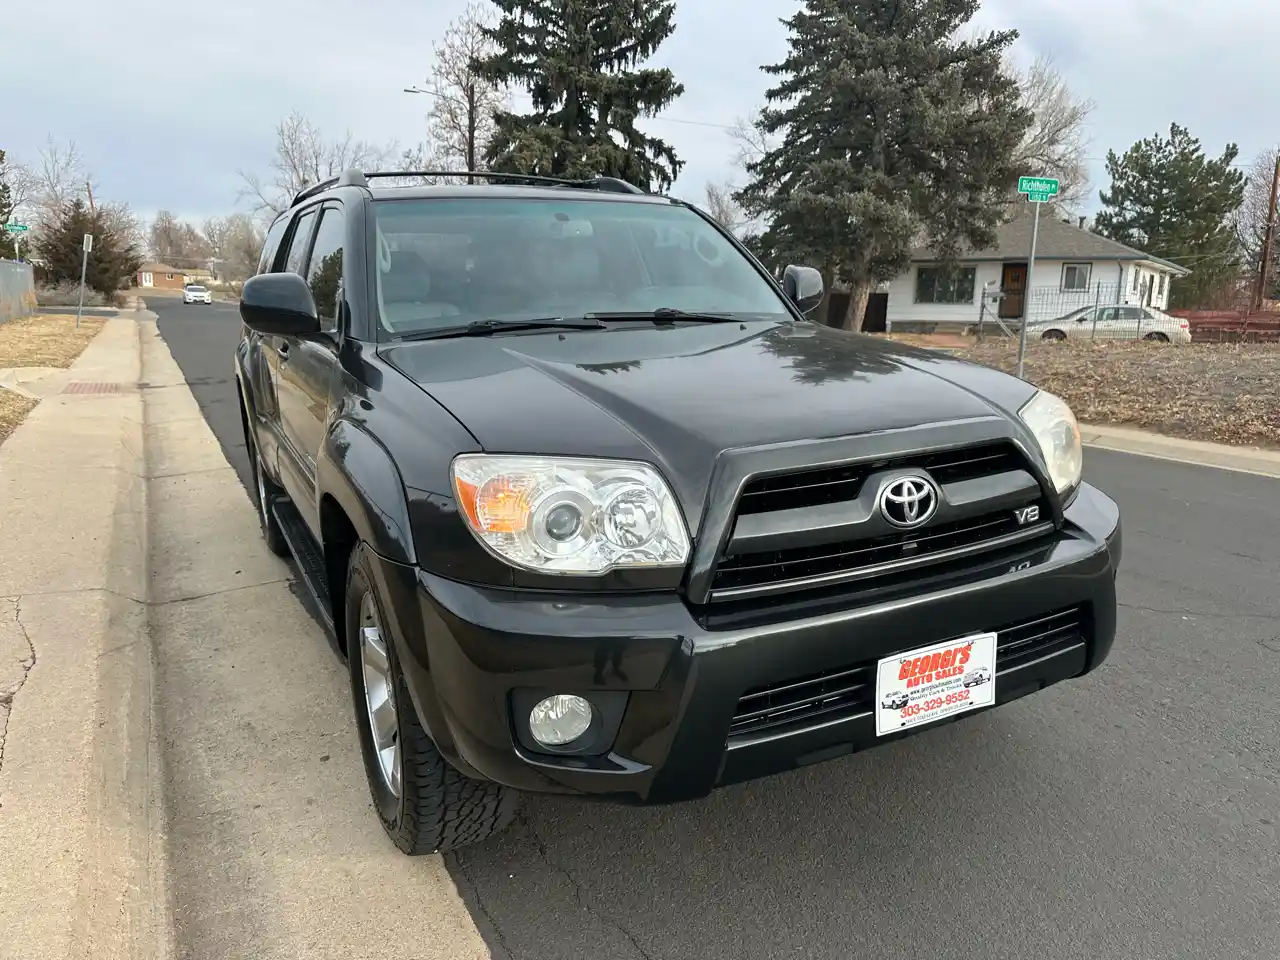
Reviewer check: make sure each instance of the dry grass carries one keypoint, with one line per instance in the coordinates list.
(1220, 392)
(46, 340)
(13, 407)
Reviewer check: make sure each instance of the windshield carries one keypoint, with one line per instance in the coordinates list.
(194, 289)
(442, 263)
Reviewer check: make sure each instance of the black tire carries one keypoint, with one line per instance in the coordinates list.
(437, 808)
(1053, 335)
(264, 490)
(1157, 337)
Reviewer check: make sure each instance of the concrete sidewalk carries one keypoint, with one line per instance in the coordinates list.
(168, 710)
(79, 786)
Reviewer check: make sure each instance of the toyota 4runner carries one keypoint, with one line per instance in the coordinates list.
(590, 507)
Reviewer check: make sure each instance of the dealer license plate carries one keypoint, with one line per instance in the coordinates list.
(931, 683)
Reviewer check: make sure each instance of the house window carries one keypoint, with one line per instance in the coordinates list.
(1075, 276)
(1160, 291)
(1137, 278)
(168, 276)
(945, 285)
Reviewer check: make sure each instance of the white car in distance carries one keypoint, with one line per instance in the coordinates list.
(194, 293)
(1114, 323)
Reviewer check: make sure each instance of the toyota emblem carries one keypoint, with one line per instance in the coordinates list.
(909, 501)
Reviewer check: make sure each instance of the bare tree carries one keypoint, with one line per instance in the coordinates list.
(1055, 145)
(304, 156)
(41, 189)
(723, 208)
(177, 242)
(1251, 218)
(463, 103)
(121, 221)
(750, 140)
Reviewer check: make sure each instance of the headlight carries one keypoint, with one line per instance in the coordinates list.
(569, 515)
(1058, 434)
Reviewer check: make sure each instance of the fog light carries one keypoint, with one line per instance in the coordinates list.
(558, 720)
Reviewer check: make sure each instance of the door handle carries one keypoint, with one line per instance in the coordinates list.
(283, 351)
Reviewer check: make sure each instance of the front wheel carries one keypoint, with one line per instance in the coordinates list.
(1157, 337)
(1053, 335)
(425, 805)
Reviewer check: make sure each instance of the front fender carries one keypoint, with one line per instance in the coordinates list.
(358, 472)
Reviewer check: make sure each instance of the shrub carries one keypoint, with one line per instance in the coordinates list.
(68, 295)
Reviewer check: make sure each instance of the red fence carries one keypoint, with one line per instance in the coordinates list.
(1231, 326)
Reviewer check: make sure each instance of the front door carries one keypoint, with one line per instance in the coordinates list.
(307, 366)
(1013, 283)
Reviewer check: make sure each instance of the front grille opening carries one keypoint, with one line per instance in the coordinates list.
(837, 484)
(804, 563)
(803, 703)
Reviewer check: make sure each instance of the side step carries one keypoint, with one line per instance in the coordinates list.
(309, 559)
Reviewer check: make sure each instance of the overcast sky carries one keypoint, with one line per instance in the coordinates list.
(167, 102)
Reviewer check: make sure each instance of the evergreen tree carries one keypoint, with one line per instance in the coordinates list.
(892, 133)
(112, 262)
(6, 194)
(580, 61)
(1170, 200)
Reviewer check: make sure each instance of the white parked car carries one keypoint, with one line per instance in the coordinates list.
(1113, 323)
(194, 293)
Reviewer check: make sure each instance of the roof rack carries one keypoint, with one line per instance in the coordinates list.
(604, 184)
(348, 178)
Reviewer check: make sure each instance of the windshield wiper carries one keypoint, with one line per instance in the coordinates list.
(485, 328)
(667, 314)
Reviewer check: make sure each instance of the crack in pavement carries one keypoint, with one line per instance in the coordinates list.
(26, 664)
(579, 892)
(1202, 613)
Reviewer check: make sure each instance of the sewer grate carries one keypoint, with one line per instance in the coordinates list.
(95, 387)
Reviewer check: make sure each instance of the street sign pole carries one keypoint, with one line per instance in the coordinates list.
(1026, 300)
(84, 266)
(1039, 190)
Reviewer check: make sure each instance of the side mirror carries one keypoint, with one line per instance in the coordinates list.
(280, 305)
(803, 287)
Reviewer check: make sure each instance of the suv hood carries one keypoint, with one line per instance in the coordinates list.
(678, 396)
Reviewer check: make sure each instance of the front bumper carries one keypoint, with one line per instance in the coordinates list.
(669, 683)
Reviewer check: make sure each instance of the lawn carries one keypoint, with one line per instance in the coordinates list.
(46, 340)
(1220, 392)
(40, 341)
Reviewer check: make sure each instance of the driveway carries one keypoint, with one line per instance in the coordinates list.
(1130, 814)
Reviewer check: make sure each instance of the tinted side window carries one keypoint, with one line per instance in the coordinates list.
(298, 245)
(324, 272)
(272, 244)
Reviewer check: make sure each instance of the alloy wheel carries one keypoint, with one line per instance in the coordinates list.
(379, 696)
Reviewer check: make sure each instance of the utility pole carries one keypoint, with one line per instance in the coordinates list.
(1267, 238)
(89, 189)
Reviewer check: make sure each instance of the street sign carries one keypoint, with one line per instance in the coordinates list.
(16, 227)
(1039, 197)
(88, 243)
(1038, 185)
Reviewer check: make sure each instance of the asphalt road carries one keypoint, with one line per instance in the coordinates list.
(1130, 814)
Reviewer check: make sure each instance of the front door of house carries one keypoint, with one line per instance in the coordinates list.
(1013, 283)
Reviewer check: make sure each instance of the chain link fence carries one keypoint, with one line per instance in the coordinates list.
(1105, 311)
(17, 290)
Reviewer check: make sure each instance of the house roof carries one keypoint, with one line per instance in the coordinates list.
(152, 266)
(1056, 241)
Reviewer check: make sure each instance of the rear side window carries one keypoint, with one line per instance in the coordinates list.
(298, 245)
(324, 272)
(272, 244)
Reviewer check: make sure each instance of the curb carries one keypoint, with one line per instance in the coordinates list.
(1144, 443)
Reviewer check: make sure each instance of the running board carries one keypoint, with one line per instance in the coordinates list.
(309, 560)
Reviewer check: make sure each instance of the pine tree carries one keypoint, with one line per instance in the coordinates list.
(1169, 200)
(6, 194)
(111, 263)
(892, 133)
(580, 61)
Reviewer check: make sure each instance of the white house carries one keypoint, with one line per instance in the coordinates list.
(1073, 268)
